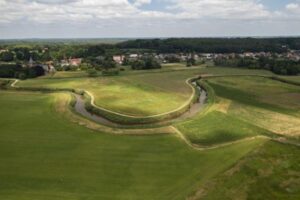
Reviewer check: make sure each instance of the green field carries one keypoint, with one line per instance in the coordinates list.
(139, 95)
(142, 94)
(270, 172)
(241, 145)
(44, 156)
(245, 107)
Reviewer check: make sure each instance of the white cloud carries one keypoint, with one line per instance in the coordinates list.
(221, 9)
(111, 13)
(81, 10)
(293, 7)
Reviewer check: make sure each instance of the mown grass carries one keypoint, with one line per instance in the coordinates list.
(270, 172)
(134, 95)
(44, 156)
(216, 128)
(292, 78)
(140, 93)
(245, 107)
(259, 92)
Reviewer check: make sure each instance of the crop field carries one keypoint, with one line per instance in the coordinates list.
(44, 156)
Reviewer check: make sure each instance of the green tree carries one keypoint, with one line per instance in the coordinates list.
(7, 56)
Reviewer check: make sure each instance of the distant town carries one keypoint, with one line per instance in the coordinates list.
(35, 60)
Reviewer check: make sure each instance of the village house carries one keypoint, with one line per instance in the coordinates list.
(119, 59)
(71, 62)
(134, 56)
(75, 61)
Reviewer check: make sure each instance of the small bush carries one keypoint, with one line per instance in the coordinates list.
(92, 73)
(111, 72)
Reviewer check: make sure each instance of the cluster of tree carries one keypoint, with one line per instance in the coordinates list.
(17, 71)
(278, 66)
(145, 63)
(172, 59)
(214, 45)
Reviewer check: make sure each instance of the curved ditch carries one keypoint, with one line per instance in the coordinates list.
(80, 108)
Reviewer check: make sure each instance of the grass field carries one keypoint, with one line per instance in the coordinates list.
(142, 94)
(139, 95)
(44, 156)
(292, 78)
(270, 172)
(259, 92)
(45, 153)
(246, 107)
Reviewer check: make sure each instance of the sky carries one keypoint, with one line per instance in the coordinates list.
(148, 18)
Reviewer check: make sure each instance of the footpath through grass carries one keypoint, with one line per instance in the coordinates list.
(44, 156)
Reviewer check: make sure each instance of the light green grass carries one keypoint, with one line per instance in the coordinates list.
(271, 172)
(266, 103)
(249, 106)
(139, 95)
(44, 156)
(67, 74)
(217, 128)
(292, 78)
(143, 94)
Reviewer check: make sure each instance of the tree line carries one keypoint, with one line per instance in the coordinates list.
(276, 65)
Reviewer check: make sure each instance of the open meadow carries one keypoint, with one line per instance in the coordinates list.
(43, 155)
(138, 94)
(247, 131)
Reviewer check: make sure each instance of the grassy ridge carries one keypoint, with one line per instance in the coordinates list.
(259, 92)
(243, 107)
(44, 156)
(217, 127)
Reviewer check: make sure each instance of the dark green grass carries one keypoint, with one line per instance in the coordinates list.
(259, 92)
(217, 127)
(44, 156)
(271, 172)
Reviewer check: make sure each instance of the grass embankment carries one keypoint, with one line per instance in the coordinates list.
(245, 107)
(45, 156)
(270, 172)
(143, 94)
(293, 79)
(140, 95)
